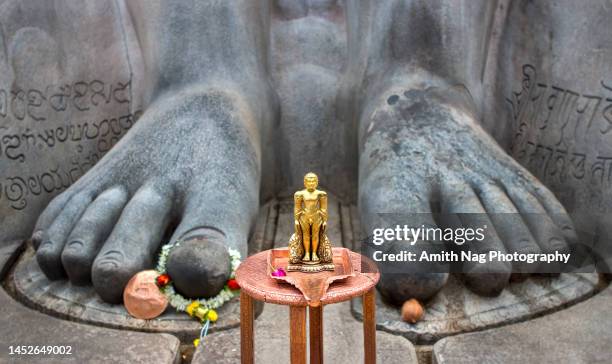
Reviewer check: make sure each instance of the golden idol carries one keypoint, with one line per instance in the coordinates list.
(309, 247)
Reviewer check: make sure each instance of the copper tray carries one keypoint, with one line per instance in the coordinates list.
(312, 285)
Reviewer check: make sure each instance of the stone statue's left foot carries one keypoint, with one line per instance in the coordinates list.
(191, 165)
(423, 150)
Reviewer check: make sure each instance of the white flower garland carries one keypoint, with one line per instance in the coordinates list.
(179, 302)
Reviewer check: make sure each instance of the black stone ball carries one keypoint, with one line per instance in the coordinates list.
(199, 268)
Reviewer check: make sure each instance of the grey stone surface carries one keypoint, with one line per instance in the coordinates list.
(385, 98)
(579, 334)
(63, 101)
(557, 95)
(309, 56)
(89, 344)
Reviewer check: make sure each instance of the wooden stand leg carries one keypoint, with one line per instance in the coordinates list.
(297, 339)
(315, 320)
(246, 329)
(369, 326)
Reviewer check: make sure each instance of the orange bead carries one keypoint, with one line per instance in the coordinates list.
(412, 311)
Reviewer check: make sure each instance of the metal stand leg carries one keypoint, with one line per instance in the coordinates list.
(315, 320)
(297, 339)
(369, 326)
(246, 329)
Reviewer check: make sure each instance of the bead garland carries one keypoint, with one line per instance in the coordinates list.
(202, 309)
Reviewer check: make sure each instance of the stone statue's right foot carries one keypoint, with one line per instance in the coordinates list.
(191, 165)
(191, 160)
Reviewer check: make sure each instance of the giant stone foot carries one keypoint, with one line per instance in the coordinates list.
(424, 152)
(201, 174)
(424, 156)
(190, 167)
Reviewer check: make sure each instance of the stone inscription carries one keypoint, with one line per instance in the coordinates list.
(15, 145)
(82, 96)
(553, 127)
(16, 188)
(31, 129)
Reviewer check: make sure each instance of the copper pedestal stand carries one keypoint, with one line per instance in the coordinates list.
(256, 284)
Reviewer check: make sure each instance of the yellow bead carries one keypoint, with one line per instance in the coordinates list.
(196, 342)
(192, 307)
(212, 315)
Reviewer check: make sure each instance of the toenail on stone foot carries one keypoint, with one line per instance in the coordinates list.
(107, 265)
(109, 278)
(49, 261)
(76, 264)
(75, 245)
(557, 244)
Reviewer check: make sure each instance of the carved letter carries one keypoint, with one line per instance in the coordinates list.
(18, 104)
(10, 148)
(15, 192)
(97, 89)
(50, 137)
(35, 100)
(61, 133)
(59, 100)
(80, 90)
(121, 94)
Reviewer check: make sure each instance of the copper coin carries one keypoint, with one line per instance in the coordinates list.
(142, 298)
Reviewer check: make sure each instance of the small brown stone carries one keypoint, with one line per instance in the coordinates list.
(412, 311)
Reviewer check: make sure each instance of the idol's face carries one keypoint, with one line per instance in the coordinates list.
(311, 183)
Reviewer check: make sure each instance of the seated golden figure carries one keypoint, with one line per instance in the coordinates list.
(309, 247)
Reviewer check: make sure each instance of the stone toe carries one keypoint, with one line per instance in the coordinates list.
(398, 288)
(199, 267)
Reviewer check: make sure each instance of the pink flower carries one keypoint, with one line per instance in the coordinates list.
(280, 272)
